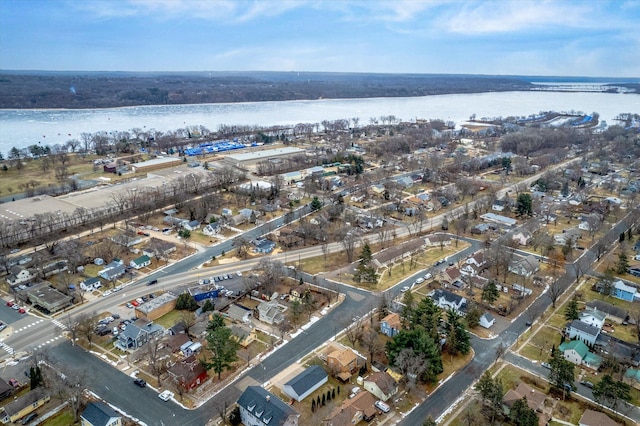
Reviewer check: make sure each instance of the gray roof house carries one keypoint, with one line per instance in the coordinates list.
(526, 266)
(487, 320)
(447, 300)
(271, 312)
(259, 407)
(239, 313)
(19, 275)
(614, 313)
(582, 331)
(306, 382)
(112, 271)
(138, 333)
(99, 414)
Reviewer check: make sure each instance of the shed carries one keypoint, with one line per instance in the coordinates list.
(305, 383)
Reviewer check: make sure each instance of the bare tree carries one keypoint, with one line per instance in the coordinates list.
(354, 332)
(153, 351)
(370, 340)
(349, 243)
(554, 292)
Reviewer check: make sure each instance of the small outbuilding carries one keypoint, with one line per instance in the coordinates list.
(305, 383)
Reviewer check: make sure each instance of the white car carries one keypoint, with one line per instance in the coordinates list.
(165, 395)
(405, 288)
(239, 273)
(428, 276)
(382, 406)
(106, 293)
(420, 280)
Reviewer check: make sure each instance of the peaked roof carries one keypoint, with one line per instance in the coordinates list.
(534, 397)
(596, 418)
(307, 379)
(142, 259)
(265, 406)
(449, 296)
(608, 308)
(577, 346)
(99, 414)
(393, 320)
(594, 313)
(585, 328)
(344, 414)
(385, 382)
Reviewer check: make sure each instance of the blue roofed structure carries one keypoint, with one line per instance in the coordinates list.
(306, 382)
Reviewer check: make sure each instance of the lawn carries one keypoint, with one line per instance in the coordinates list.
(169, 319)
(64, 418)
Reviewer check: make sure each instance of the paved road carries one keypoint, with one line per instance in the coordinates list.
(485, 351)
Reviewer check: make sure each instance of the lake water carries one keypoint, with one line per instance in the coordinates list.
(21, 128)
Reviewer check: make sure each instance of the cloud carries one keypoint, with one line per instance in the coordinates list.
(503, 17)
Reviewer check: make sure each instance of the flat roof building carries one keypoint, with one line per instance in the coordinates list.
(156, 163)
(252, 158)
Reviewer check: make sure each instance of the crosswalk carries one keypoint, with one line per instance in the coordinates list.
(59, 324)
(6, 348)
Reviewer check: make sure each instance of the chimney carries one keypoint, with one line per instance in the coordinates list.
(268, 398)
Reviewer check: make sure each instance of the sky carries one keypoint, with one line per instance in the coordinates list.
(596, 38)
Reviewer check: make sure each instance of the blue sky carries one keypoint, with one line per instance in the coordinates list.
(566, 38)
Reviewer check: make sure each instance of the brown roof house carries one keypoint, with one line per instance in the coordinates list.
(596, 418)
(352, 411)
(342, 363)
(381, 385)
(534, 397)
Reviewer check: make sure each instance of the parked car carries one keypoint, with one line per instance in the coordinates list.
(382, 406)
(22, 310)
(29, 418)
(165, 395)
(239, 273)
(587, 384)
(140, 382)
(134, 303)
(405, 288)
(420, 280)
(129, 305)
(10, 304)
(546, 365)
(428, 276)
(15, 307)
(2, 326)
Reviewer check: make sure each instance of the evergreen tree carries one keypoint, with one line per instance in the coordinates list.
(323, 400)
(457, 336)
(623, 262)
(333, 393)
(492, 392)
(223, 346)
(313, 405)
(186, 302)
(365, 271)
(562, 372)
(316, 204)
(490, 292)
(524, 205)
(234, 418)
(522, 415)
(328, 395)
(610, 392)
(318, 402)
(571, 311)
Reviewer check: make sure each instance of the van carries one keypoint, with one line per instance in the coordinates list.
(382, 406)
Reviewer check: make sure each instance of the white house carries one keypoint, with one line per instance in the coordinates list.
(593, 317)
(140, 262)
(487, 320)
(522, 237)
(211, 229)
(525, 267)
(381, 385)
(448, 300)
(584, 332)
(259, 407)
(19, 275)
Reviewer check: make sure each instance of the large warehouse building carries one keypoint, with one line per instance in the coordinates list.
(252, 158)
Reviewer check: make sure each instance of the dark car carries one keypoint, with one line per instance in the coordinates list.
(587, 384)
(29, 418)
(140, 382)
(152, 282)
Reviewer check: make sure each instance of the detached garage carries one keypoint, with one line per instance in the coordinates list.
(305, 383)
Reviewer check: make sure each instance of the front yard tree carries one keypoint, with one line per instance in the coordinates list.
(490, 292)
(562, 372)
(522, 415)
(222, 344)
(457, 336)
(611, 392)
(524, 205)
(571, 311)
(623, 262)
(316, 204)
(492, 392)
(365, 272)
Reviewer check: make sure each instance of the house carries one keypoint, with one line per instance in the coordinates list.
(245, 337)
(381, 385)
(632, 377)
(481, 228)
(582, 331)
(593, 317)
(352, 411)
(98, 413)
(271, 312)
(614, 313)
(89, 283)
(377, 189)
(525, 267)
(112, 271)
(211, 229)
(259, 407)
(5, 390)
(487, 320)
(522, 237)
(140, 262)
(342, 363)
(390, 325)
(127, 240)
(137, 334)
(262, 245)
(19, 275)
(596, 418)
(159, 248)
(451, 275)
(249, 215)
(172, 221)
(570, 236)
(176, 341)
(578, 353)
(191, 225)
(188, 373)
(298, 292)
(26, 404)
(535, 398)
(499, 219)
(623, 291)
(305, 383)
(475, 264)
(437, 240)
(239, 313)
(498, 205)
(447, 300)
